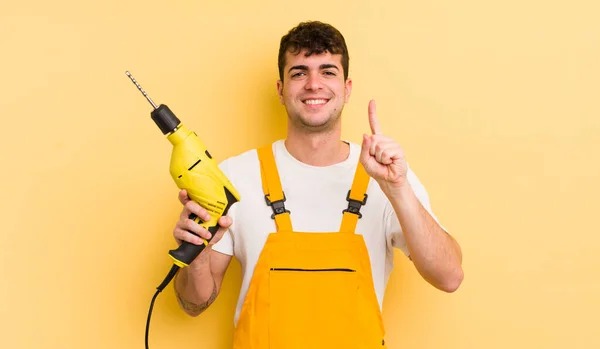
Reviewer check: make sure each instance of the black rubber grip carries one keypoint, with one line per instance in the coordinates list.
(187, 252)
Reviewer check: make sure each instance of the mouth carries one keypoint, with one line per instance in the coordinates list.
(315, 101)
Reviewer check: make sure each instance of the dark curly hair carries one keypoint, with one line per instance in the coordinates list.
(315, 37)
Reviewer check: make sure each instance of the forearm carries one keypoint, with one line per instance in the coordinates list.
(195, 286)
(435, 254)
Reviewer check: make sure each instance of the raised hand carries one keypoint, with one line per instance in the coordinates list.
(381, 156)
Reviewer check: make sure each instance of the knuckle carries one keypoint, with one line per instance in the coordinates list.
(182, 221)
(183, 215)
(193, 239)
(190, 224)
(178, 234)
(190, 206)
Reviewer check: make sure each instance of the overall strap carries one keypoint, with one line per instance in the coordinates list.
(356, 198)
(274, 195)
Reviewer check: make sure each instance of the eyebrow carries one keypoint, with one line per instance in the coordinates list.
(322, 66)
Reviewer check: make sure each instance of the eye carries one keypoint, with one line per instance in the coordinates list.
(295, 75)
(330, 73)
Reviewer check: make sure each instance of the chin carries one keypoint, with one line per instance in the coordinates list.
(318, 124)
(315, 121)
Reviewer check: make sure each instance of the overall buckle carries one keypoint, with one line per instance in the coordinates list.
(355, 205)
(277, 206)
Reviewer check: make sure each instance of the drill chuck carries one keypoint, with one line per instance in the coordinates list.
(165, 119)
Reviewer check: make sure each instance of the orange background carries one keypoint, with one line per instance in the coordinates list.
(496, 105)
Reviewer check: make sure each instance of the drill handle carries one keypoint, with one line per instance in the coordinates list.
(187, 252)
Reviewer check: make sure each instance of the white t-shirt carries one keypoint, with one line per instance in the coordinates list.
(316, 197)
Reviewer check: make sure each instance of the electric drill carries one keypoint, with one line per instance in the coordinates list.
(193, 169)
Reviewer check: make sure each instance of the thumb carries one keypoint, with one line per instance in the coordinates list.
(366, 142)
(366, 145)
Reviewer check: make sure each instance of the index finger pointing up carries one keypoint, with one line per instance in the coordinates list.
(375, 129)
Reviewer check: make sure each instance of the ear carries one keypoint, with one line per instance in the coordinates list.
(280, 90)
(348, 89)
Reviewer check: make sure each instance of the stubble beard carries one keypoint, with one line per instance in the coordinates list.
(327, 125)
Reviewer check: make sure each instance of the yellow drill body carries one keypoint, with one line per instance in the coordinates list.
(193, 169)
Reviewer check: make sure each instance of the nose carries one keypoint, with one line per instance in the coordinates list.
(312, 82)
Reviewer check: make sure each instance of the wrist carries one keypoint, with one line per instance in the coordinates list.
(400, 191)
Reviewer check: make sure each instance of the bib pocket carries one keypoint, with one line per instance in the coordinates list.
(316, 308)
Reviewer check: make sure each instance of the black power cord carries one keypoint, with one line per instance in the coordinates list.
(159, 289)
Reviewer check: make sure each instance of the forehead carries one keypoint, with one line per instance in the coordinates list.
(314, 60)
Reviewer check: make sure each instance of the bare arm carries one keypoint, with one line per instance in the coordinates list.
(435, 253)
(198, 285)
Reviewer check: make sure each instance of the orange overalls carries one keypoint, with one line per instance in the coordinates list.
(311, 290)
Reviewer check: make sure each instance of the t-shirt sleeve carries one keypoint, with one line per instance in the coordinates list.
(225, 245)
(393, 229)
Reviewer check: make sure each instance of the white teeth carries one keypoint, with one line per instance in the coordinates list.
(315, 101)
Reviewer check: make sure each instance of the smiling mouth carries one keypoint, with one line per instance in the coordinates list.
(315, 101)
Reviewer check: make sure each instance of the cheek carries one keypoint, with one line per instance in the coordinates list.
(287, 97)
(286, 92)
(341, 90)
(291, 97)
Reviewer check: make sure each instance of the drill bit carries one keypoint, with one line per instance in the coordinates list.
(141, 89)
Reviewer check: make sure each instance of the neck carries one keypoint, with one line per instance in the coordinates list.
(317, 149)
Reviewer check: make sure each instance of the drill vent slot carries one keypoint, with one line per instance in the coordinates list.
(194, 165)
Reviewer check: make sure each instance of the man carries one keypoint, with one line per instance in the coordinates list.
(319, 217)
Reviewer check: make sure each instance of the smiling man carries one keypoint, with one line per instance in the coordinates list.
(319, 217)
